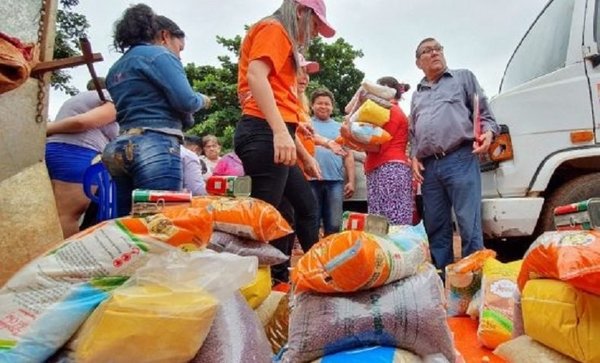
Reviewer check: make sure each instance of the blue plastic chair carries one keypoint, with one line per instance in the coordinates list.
(106, 194)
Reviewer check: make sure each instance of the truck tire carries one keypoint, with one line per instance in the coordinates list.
(576, 190)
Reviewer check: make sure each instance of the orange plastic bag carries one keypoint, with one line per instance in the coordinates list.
(180, 226)
(369, 134)
(349, 143)
(569, 256)
(463, 280)
(16, 61)
(349, 261)
(472, 262)
(245, 217)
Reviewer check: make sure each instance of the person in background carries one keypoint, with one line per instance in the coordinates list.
(211, 153)
(267, 90)
(192, 172)
(335, 184)
(445, 151)
(154, 103)
(194, 143)
(229, 165)
(306, 135)
(387, 166)
(84, 126)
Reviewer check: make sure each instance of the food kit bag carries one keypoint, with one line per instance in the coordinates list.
(44, 303)
(372, 113)
(355, 260)
(236, 336)
(259, 289)
(463, 280)
(267, 255)
(369, 134)
(563, 318)
(498, 288)
(164, 312)
(526, 350)
(569, 256)
(245, 217)
(407, 314)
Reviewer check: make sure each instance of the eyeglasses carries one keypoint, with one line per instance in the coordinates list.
(429, 50)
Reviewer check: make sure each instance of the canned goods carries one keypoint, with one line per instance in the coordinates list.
(578, 216)
(371, 223)
(146, 202)
(230, 186)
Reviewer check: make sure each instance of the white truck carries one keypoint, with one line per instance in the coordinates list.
(549, 104)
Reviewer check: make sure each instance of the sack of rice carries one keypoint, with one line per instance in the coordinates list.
(266, 254)
(236, 336)
(407, 314)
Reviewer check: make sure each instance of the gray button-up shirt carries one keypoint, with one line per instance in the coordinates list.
(441, 116)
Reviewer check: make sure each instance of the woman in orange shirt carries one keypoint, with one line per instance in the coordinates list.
(264, 137)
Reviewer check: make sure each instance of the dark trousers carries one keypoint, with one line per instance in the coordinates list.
(282, 186)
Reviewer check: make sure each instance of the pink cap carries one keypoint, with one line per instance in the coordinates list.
(310, 66)
(318, 6)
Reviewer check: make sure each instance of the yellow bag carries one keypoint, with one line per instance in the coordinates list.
(562, 317)
(165, 324)
(370, 112)
(258, 290)
(498, 286)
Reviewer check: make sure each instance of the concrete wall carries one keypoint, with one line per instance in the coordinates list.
(28, 219)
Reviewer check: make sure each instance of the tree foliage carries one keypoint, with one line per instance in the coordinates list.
(70, 26)
(338, 73)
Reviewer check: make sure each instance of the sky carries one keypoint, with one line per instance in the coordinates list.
(479, 35)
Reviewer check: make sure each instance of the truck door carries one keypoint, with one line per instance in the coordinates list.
(544, 94)
(591, 53)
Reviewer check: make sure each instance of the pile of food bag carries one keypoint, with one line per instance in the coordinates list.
(368, 111)
(559, 309)
(356, 294)
(544, 308)
(151, 288)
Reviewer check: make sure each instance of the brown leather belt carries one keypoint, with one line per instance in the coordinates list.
(443, 154)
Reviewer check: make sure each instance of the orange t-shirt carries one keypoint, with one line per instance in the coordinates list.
(269, 42)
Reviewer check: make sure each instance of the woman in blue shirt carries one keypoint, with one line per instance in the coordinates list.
(154, 102)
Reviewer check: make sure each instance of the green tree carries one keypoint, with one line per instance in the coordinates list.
(338, 73)
(70, 26)
(220, 83)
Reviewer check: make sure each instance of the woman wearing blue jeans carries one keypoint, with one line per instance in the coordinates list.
(154, 101)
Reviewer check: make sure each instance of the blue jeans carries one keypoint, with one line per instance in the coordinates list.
(330, 198)
(452, 182)
(147, 161)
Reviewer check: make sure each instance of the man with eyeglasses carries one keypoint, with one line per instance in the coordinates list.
(445, 150)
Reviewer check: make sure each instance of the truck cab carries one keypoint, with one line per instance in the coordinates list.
(549, 106)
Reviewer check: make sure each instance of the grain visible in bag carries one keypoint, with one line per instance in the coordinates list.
(408, 314)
